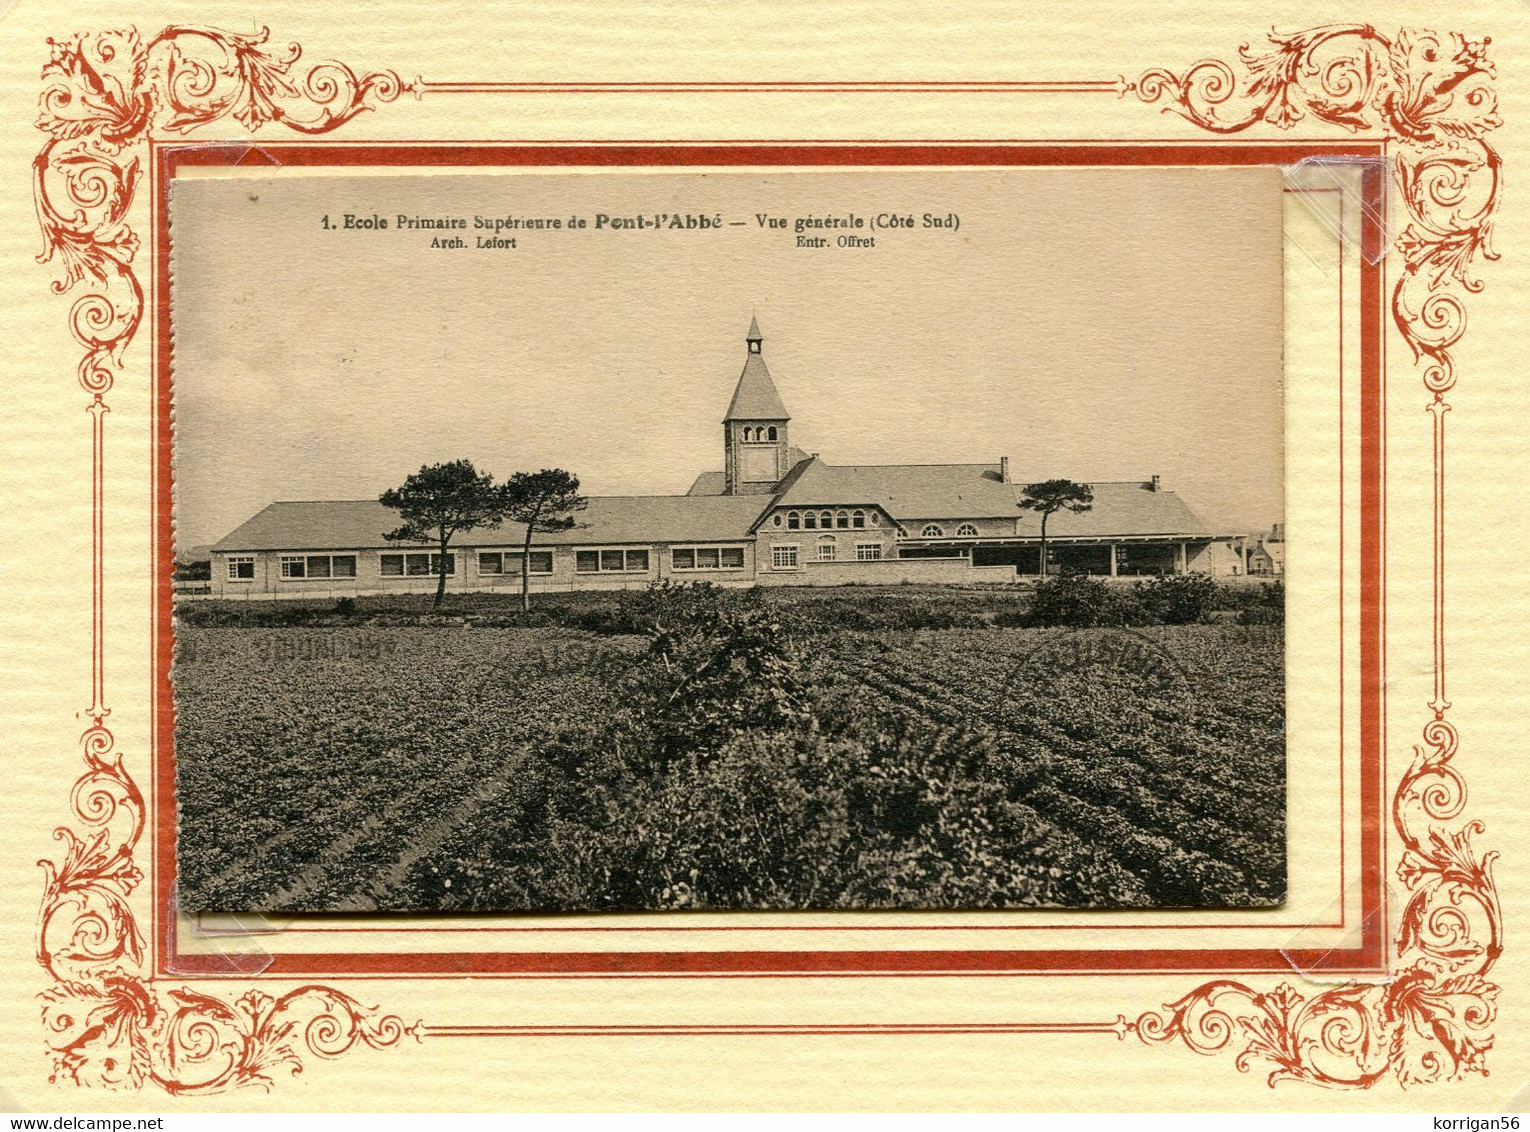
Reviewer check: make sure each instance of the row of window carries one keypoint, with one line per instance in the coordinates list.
(311, 566)
(826, 520)
(611, 561)
(495, 562)
(708, 558)
(414, 565)
(856, 520)
(241, 567)
(785, 557)
(759, 435)
(935, 530)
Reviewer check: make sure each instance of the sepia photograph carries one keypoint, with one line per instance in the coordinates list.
(790, 540)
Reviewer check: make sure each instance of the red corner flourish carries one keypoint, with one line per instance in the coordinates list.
(104, 95)
(1431, 94)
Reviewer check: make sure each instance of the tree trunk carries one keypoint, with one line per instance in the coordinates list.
(526, 574)
(441, 576)
(1044, 544)
(531, 527)
(526, 571)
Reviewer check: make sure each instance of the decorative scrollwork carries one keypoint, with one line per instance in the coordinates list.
(1431, 92)
(104, 95)
(108, 1023)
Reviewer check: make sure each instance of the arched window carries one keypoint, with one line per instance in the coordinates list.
(966, 530)
(771, 432)
(826, 520)
(842, 520)
(793, 520)
(933, 530)
(810, 521)
(858, 519)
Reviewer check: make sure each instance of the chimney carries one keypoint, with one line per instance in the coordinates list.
(1157, 483)
(1003, 469)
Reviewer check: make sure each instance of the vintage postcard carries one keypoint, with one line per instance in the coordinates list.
(831, 563)
(641, 609)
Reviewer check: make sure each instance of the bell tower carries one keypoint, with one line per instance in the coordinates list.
(755, 447)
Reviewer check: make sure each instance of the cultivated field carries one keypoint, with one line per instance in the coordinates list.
(754, 757)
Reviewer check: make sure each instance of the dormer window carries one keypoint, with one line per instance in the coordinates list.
(793, 520)
(966, 530)
(771, 432)
(810, 521)
(842, 520)
(858, 519)
(933, 530)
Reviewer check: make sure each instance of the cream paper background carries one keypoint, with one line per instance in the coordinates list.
(46, 560)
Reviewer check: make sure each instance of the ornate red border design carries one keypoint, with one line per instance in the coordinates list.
(109, 1023)
(1431, 94)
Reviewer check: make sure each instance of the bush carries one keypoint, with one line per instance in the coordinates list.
(1178, 599)
(1269, 609)
(806, 819)
(1077, 601)
(719, 661)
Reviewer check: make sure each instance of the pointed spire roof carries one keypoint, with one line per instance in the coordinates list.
(755, 398)
(754, 334)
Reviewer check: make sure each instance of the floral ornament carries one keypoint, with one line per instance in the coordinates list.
(1432, 94)
(117, 1032)
(1430, 91)
(104, 95)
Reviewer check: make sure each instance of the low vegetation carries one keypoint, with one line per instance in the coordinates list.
(687, 747)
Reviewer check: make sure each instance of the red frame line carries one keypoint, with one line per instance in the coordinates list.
(1368, 957)
(1118, 87)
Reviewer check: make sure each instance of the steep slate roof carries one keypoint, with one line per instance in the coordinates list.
(359, 524)
(709, 483)
(912, 492)
(756, 398)
(315, 525)
(1123, 509)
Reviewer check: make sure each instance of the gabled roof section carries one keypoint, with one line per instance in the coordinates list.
(904, 491)
(755, 398)
(913, 493)
(333, 524)
(709, 483)
(1131, 508)
(359, 524)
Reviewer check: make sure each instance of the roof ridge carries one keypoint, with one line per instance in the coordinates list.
(645, 495)
(969, 464)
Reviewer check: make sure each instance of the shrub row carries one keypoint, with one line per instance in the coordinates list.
(1065, 600)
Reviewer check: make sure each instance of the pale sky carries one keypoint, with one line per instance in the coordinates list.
(1089, 324)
